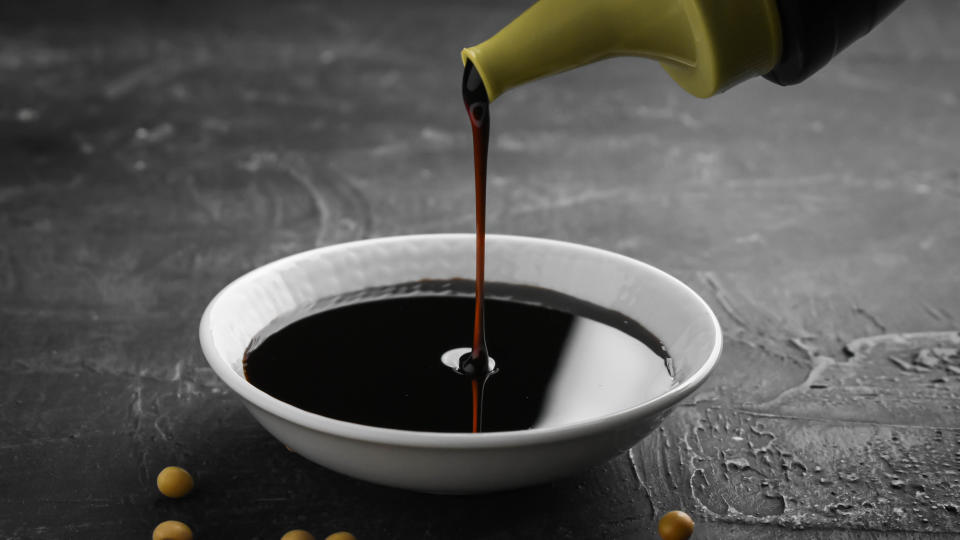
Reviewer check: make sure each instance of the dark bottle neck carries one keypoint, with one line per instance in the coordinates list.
(814, 31)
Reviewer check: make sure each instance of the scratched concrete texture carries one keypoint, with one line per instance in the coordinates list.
(152, 151)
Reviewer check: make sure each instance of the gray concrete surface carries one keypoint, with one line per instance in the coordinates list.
(152, 151)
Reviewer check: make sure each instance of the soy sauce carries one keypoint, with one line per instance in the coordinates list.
(476, 365)
(375, 359)
(394, 358)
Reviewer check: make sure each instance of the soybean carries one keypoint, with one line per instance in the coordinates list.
(174, 482)
(172, 530)
(675, 525)
(342, 535)
(298, 534)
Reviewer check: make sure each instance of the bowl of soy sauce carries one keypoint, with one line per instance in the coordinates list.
(363, 357)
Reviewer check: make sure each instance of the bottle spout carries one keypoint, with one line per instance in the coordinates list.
(705, 45)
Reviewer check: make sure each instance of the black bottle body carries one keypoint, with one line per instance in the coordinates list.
(814, 31)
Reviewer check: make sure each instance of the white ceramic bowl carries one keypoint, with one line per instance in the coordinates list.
(460, 462)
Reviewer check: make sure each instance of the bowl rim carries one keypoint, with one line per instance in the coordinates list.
(442, 440)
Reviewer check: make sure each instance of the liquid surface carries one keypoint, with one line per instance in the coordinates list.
(377, 362)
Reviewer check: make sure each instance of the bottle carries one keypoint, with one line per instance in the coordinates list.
(706, 46)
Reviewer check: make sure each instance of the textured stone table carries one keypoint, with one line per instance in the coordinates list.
(152, 151)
